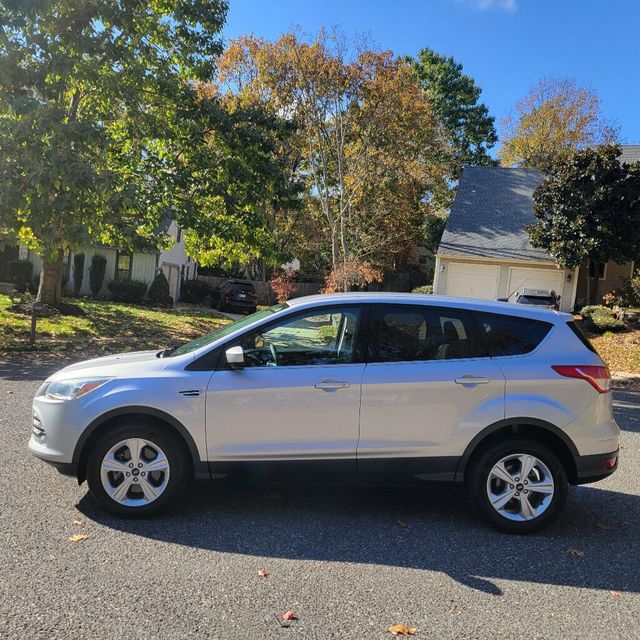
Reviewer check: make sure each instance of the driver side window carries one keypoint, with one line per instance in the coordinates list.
(319, 337)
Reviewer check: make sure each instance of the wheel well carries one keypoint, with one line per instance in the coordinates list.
(98, 429)
(538, 433)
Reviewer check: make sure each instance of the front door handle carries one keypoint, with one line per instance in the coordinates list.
(329, 385)
(471, 380)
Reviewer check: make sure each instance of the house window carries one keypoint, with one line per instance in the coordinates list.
(124, 262)
(602, 270)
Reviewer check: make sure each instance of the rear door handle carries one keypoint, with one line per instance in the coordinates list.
(329, 385)
(471, 380)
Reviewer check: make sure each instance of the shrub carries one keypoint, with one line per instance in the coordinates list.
(426, 289)
(589, 310)
(196, 291)
(131, 291)
(600, 319)
(96, 273)
(283, 284)
(78, 272)
(629, 292)
(21, 273)
(159, 290)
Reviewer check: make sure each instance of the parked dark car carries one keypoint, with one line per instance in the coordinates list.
(539, 297)
(237, 295)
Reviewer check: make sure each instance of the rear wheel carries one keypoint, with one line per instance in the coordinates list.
(136, 469)
(519, 486)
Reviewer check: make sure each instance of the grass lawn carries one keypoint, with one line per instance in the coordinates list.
(108, 327)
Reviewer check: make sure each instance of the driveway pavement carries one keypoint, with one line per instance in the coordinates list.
(349, 562)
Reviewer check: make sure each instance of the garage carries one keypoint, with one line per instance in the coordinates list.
(471, 280)
(528, 278)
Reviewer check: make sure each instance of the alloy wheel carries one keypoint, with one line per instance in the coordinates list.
(520, 487)
(134, 472)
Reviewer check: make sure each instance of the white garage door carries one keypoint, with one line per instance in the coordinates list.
(473, 280)
(522, 278)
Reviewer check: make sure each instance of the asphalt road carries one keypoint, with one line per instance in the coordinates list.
(349, 562)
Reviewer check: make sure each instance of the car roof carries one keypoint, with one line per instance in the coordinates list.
(489, 306)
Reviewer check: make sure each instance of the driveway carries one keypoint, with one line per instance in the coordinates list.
(349, 562)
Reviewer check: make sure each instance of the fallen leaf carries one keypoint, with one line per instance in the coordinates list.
(401, 630)
(10, 392)
(604, 525)
(78, 522)
(614, 594)
(79, 537)
(403, 524)
(263, 573)
(575, 552)
(288, 615)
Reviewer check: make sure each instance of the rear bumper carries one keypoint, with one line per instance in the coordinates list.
(595, 467)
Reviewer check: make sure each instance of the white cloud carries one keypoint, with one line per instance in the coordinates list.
(492, 5)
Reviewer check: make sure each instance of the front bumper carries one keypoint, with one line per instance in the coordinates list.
(595, 467)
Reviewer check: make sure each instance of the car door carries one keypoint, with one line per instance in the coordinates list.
(426, 391)
(294, 407)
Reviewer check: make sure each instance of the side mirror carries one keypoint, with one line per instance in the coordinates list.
(558, 297)
(235, 357)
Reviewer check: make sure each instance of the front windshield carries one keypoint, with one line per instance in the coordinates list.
(224, 331)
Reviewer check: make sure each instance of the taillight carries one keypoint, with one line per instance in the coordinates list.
(228, 295)
(598, 377)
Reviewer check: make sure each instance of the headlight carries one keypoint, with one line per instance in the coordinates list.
(71, 389)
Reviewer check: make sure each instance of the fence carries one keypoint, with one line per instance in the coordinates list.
(265, 294)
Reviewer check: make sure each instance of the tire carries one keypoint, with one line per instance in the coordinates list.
(160, 452)
(486, 481)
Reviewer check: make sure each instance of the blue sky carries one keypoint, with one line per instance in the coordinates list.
(506, 45)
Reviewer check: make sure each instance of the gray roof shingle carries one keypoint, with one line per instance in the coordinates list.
(492, 207)
(630, 153)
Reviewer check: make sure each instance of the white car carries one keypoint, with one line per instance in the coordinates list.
(366, 387)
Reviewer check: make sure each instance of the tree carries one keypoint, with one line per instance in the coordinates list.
(455, 99)
(366, 143)
(88, 94)
(557, 117)
(589, 208)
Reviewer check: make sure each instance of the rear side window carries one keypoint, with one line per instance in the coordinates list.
(511, 335)
(404, 333)
(575, 327)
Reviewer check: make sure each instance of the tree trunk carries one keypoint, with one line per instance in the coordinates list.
(50, 288)
(596, 281)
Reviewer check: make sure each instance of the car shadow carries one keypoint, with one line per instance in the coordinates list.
(435, 530)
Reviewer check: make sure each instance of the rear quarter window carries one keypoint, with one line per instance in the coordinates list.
(581, 335)
(511, 335)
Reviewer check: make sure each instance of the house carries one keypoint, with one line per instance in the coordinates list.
(141, 264)
(485, 251)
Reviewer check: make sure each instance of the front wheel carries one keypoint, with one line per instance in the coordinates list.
(519, 486)
(136, 470)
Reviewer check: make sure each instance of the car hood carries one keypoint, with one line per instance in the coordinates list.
(118, 365)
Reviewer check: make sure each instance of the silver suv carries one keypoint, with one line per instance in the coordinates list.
(395, 389)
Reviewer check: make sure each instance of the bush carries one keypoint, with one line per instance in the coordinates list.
(426, 289)
(78, 272)
(629, 293)
(96, 273)
(131, 291)
(283, 284)
(21, 273)
(196, 291)
(159, 291)
(589, 310)
(600, 319)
